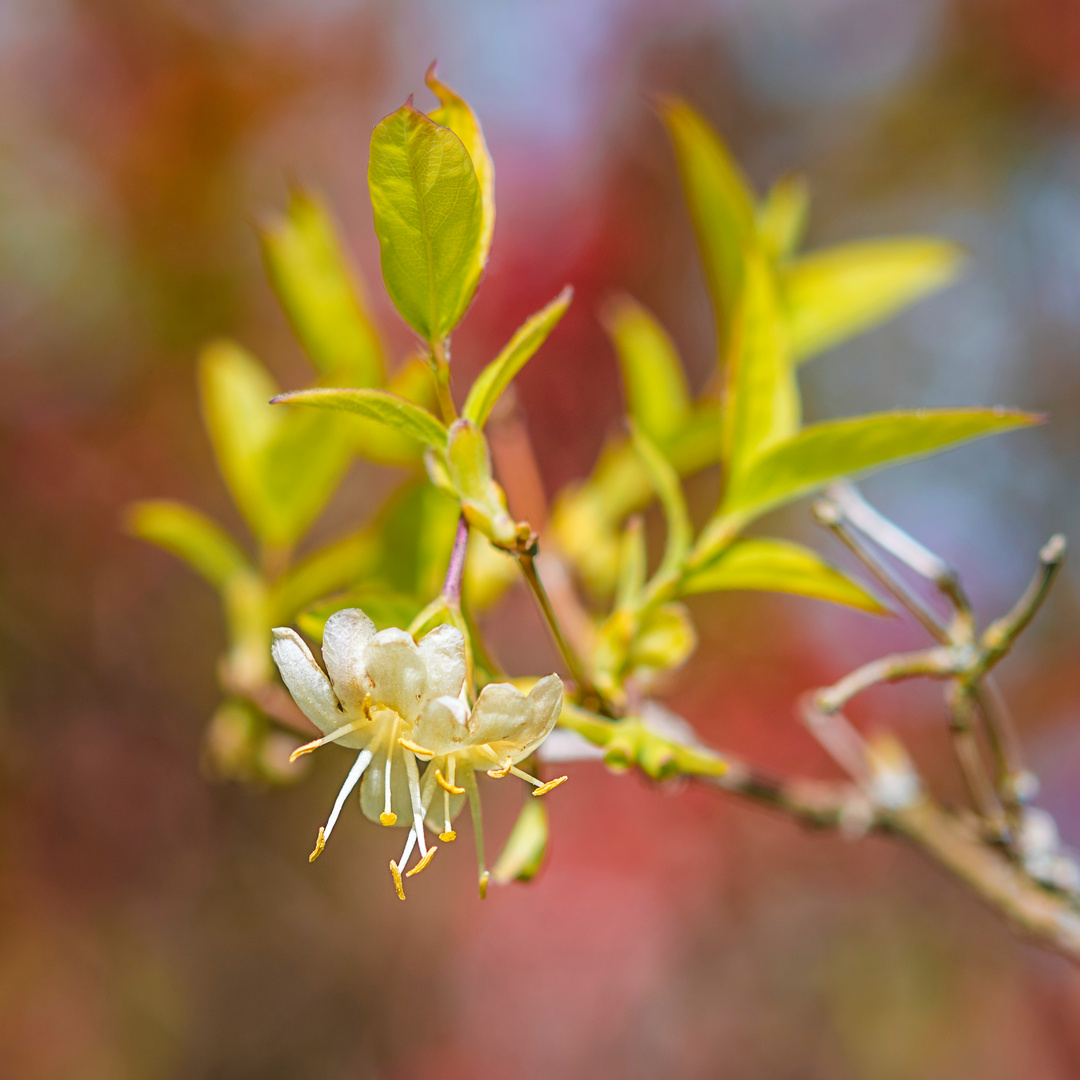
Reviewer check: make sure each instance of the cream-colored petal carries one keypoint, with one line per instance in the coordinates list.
(514, 724)
(307, 682)
(443, 653)
(345, 638)
(397, 672)
(443, 725)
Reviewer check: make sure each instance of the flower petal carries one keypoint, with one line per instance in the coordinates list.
(345, 637)
(307, 682)
(512, 724)
(443, 726)
(397, 672)
(443, 653)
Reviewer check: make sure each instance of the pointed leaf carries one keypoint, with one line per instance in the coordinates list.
(849, 448)
(524, 851)
(496, 377)
(321, 295)
(665, 480)
(657, 396)
(779, 566)
(632, 564)
(377, 442)
(762, 406)
(429, 220)
(379, 405)
(781, 217)
(483, 503)
(235, 390)
(720, 202)
(190, 535)
(834, 294)
(455, 114)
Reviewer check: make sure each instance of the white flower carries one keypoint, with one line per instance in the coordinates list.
(397, 701)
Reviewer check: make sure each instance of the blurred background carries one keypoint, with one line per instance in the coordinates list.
(154, 924)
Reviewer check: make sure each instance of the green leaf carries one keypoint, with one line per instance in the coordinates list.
(388, 446)
(496, 377)
(834, 294)
(520, 859)
(762, 406)
(666, 482)
(328, 570)
(781, 217)
(720, 202)
(190, 535)
(321, 295)
(664, 639)
(384, 607)
(779, 566)
(849, 448)
(657, 396)
(235, 392)
(429, 219)
(280, 469)
(632, 564)
(379, 405)
(455, 114)
(469, 469)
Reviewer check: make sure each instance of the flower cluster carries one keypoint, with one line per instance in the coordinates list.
(399, 702)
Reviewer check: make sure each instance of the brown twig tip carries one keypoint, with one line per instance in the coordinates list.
(1053, 551)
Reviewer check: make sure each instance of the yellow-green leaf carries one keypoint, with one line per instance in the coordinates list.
(388, 446)
(469, 470)
(656, 393)
(665, 638)
(321, 295)
(665, 481)
(454, 113)
(520, 859)
(781, 217)
(384, 607)
(235, 390)
(632, 564)
(779, 566)
(496, 377)
(849, 448)
(720, 202)
(379, 405)
(834, 294)
(429, 219)
(762, 406)
(190, 535)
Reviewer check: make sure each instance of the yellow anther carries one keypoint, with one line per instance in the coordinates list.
(422, 863)
(503, 770)
(395, 873)
(300, 751)
(545, 788)
(483, 883)
(447, 836)
(416, 748)
(447, 786)
(388, 819)
(320, 843)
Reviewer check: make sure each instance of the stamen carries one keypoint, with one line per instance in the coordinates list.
(307, 748)
(447, 786)
(501, 771)
(388, 817)
(357, 771)
(423, 862)
(395, 873)
(414, 798)
(448, 836)
(483, 883)
(416, 748)
(549, 786)
(526, 776)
